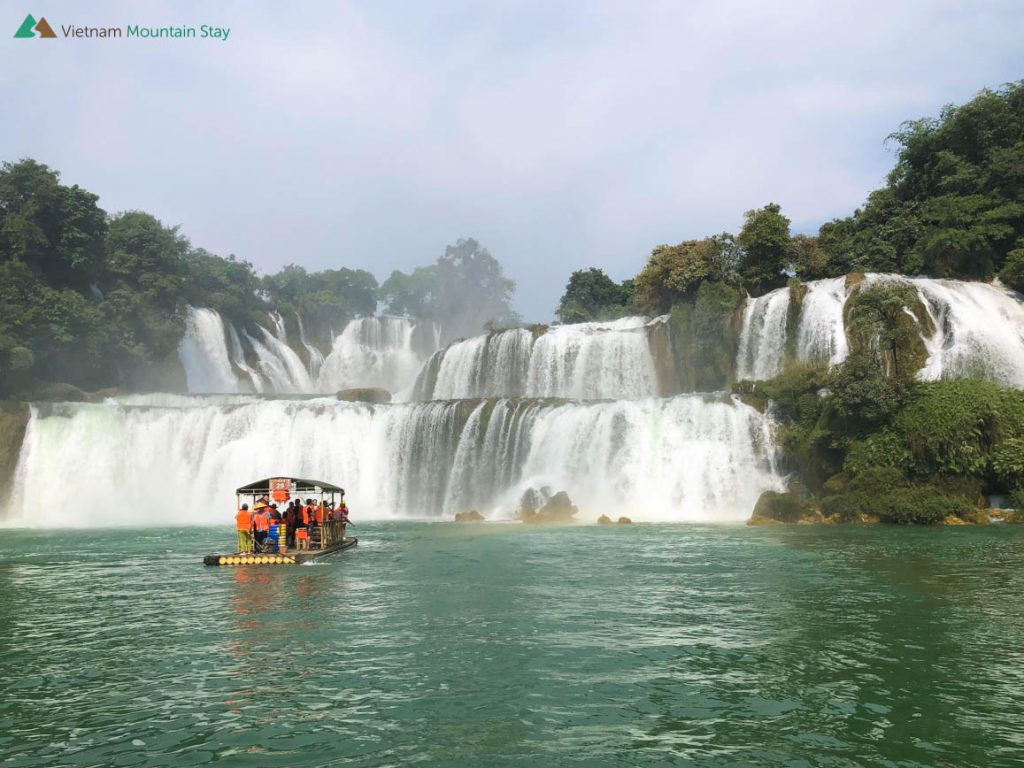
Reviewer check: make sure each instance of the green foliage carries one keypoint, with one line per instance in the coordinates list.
(228, 284)
(705, 335)
(591, 295)
(765, 242)
(909, 505)
(464, 291)
(324, 300)
(883, 449)
(807, 259)
(953, 204)
(861, 394)
(877, 319)
(674, 273)
(1008, 462)
(58, 232)
(952, 427)
(1012, 273)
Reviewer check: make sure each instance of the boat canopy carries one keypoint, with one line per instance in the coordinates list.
(263, 487)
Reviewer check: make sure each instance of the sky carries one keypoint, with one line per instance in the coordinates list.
(561, 135)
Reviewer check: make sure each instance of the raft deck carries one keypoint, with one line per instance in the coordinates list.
(292, 557)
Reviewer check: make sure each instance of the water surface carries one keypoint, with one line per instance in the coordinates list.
(498, 645)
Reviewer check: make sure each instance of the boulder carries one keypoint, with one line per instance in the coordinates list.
(365, 395)
(604, 520)
(624, 521)
(774, 507)
(556, 509)
(469, 517)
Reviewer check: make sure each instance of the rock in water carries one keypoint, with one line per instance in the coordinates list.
(604, 520)
(624, 521)
(469, 517)
(557, 509)
(365, 395)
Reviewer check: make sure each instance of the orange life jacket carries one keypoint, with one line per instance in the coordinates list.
(318, 511)
(243, 520)
(262, 521)
(305, 514)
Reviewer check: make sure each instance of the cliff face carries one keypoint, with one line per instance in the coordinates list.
(13, 421)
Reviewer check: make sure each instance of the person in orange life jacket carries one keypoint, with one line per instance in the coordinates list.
(341, 511)
(244, 525)
(261, 521)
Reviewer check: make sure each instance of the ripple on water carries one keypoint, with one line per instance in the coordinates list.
(500, 645)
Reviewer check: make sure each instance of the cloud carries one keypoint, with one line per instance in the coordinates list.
(561, 136)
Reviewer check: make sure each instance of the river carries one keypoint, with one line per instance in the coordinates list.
(505, 645)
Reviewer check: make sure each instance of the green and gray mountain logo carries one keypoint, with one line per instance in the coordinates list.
(32, 28)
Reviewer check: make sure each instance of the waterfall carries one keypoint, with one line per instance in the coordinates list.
(821, 334)
(976, 329)
(373, 352)
(204, 354)
(979, 331)
(316, 357)
(763, 338)
(383, 352)
(585, 361)
(160, 460)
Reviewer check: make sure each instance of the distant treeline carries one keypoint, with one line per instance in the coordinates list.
(953, 206)
(98, 301)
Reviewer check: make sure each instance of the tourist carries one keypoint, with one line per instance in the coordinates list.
(243, 522)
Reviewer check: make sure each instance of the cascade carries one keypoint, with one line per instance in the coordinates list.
(374, 352)
(204, 354)
(973, 329)
(763, 338)
(178, 458)
(585, 361)
(370, 352)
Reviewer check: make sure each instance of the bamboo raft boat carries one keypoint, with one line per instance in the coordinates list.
(328, 539)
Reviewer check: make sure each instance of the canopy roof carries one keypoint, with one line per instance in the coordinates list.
(262, 487)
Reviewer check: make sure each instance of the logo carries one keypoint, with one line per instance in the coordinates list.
(32, 28)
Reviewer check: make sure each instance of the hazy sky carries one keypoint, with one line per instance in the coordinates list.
(560, 135)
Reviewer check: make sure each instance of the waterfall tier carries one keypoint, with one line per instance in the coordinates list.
(177, 459)
(972, 330)
(384, 352)
(585, 361)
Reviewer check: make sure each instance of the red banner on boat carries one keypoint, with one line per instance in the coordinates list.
(280, 488)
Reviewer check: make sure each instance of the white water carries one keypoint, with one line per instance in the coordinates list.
(585, 361)
(372, 352)
(763, 338)
(978, 329)
(204, 354)
(685, 458)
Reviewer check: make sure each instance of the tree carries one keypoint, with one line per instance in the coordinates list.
(591, 295)
(56, 231)
(325, 300)
(672, 273)
(464, 290)
(952, 206)
(764, 240)
(877, 317)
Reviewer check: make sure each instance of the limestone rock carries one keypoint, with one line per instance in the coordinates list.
(469, 517)
(604, 520)
(555, 509)
(624, 521)
(365, 395)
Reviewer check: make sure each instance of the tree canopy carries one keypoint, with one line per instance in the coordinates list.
(591, 295)
(464, 291)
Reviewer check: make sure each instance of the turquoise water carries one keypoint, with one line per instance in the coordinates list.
(502, 645)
